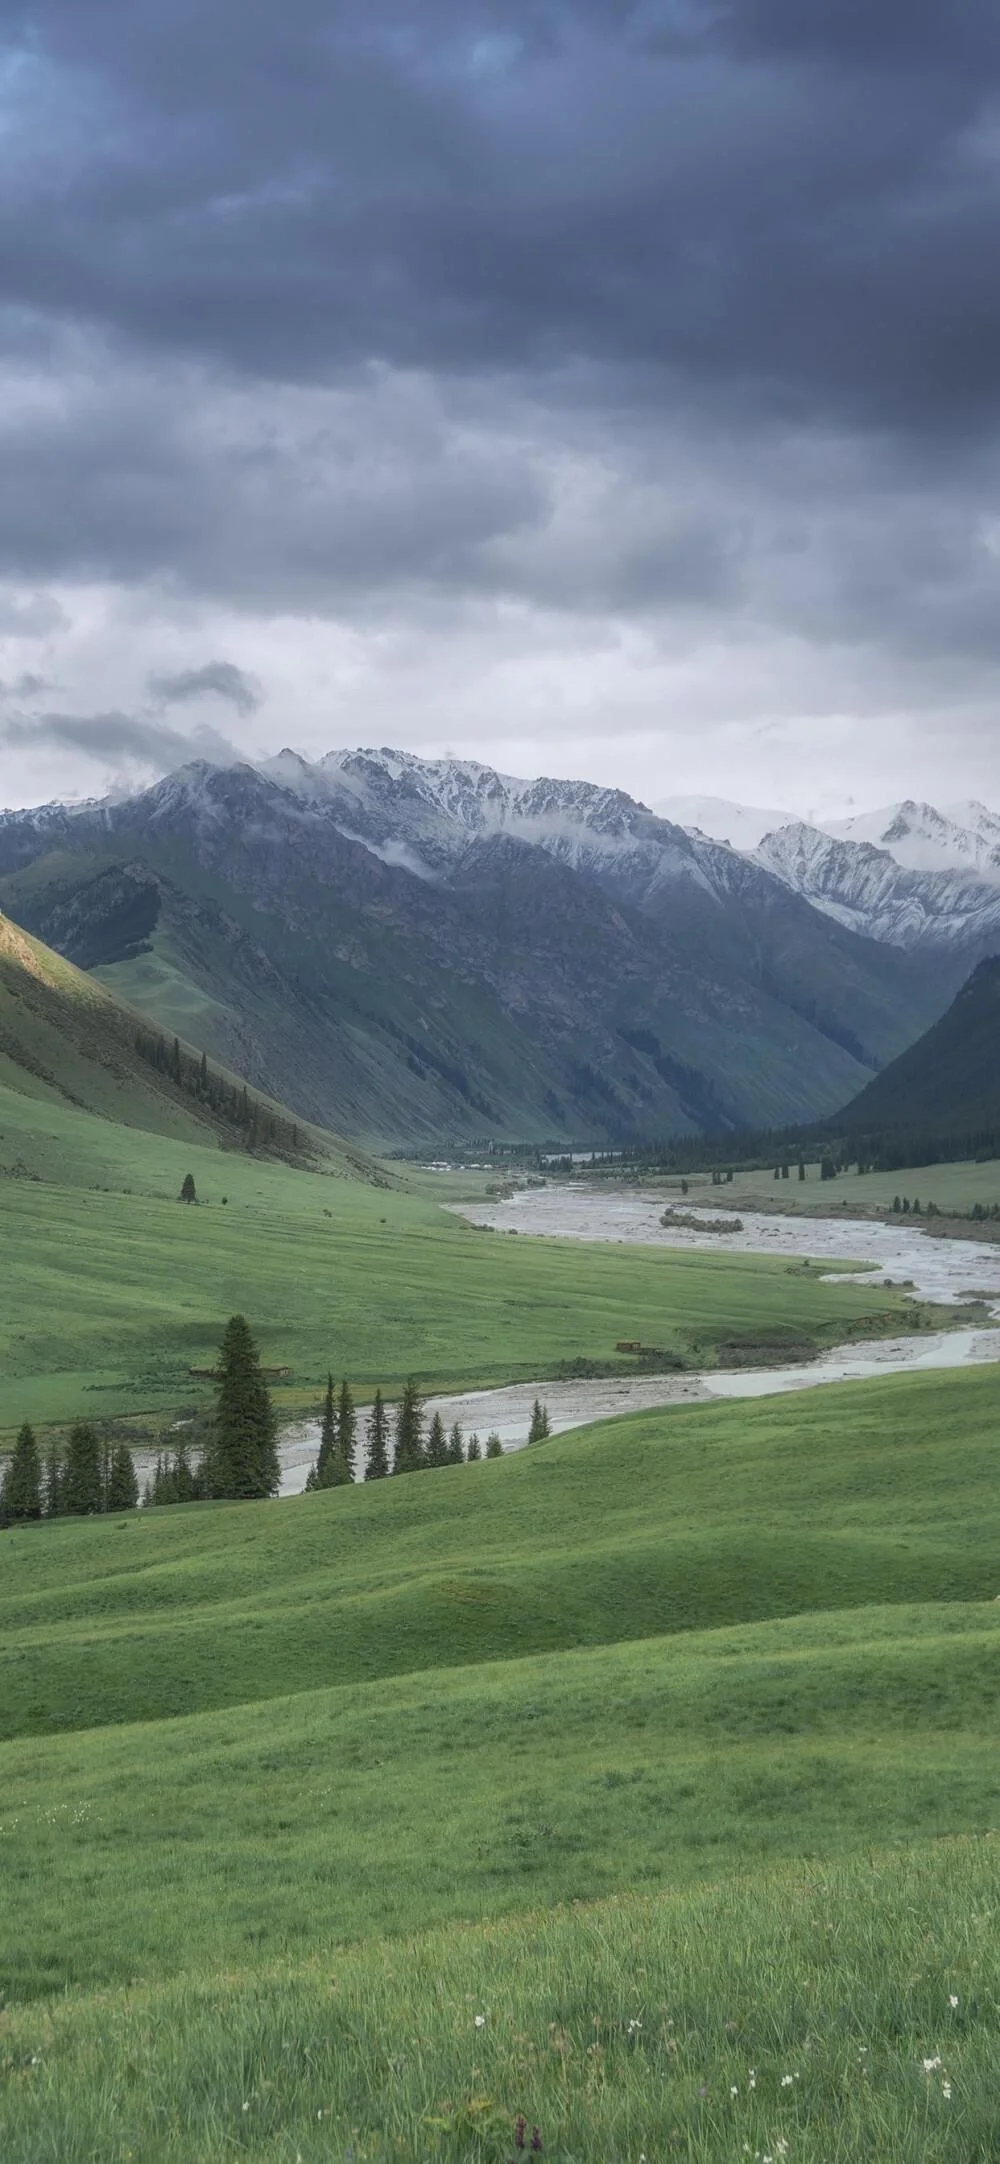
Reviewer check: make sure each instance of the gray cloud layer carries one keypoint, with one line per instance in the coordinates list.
(670, 314)
(219, 678)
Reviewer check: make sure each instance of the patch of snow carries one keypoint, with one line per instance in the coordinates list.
(740, 826)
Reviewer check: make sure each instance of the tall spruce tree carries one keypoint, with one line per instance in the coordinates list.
(539, 1429)
(244, 1451)
(494, 1447)
(377, 1440)
(474, 1451)
(188, 1193)
(82, 1483)
(52, 1486)
(21, 1494)
(456, 1454)
(437, 1442)
(347, 1430)
(324, 1467)
(123, 1487)
(409, 1431)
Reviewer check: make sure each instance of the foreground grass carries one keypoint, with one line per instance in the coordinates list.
(835, 2014)
(114, 1289)
(320, 1818)
(720, 1514)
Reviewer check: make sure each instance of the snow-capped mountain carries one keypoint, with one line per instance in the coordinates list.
(740, 826)
(877, 892)
(428, 946)
(962, 838)
(424, 813)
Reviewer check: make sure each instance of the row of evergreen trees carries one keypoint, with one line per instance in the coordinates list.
(240, 1457)
(228, 1100)
(416, 1446)
(90, 1478)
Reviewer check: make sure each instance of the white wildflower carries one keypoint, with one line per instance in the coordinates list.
(787, 2080)
(931, 2065)
(480, 2021)
(946, 2091)
(952, 2000)
(734, 2090)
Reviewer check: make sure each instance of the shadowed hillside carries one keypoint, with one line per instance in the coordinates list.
(949, 1081)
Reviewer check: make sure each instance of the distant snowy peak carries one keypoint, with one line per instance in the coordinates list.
(739, 826)
(965, 838)
(870, 891)
(436, 807)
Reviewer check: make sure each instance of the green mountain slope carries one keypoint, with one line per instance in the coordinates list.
(949, 1081)
(67, 1042)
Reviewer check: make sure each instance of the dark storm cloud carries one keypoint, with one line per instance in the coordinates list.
(780, 201)
(114, 737)
(222, 679)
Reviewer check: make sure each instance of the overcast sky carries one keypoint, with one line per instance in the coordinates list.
(599, 387)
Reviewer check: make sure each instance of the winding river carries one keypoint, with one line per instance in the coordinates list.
(948, 1272)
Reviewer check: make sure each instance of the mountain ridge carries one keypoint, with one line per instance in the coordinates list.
(409, 949)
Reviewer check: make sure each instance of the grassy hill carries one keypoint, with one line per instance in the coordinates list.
(666, 1752)
(948, 1083)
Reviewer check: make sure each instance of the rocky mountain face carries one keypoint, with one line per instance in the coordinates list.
(421, 949)
(948, 902)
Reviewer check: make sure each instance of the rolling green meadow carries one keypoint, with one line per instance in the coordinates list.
(666, 1752)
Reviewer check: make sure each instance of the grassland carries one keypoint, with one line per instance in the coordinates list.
(668, 1748)
(954, 1188)
(789, 2016)
(714, 1516)
(114, 1289)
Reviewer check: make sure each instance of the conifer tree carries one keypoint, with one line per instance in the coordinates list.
(802, 1168)
(123, 1487)
(51, 1493)
(324, 1467)
(409, 1456)
(21, 1494)
(437, 1442)
(347, 1430)
(203, 1076)
(377, 1439)
(456, 1454)
(244, 1451)
(82, 1485)
(474, 1451)
(539, 1428)
(183, 1477)
(494, 1447)
(187, 1188)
